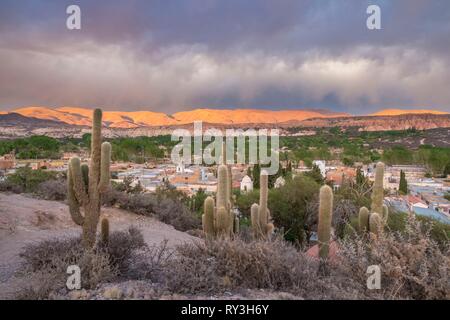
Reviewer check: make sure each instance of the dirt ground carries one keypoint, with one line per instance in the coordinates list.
(25, 220)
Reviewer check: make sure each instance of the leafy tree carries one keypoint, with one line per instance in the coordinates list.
(195, 202)
(28, 180)
(288, 206)
(315, 174)
(127, 186)
(256, 172)
(360, 178)
(446, 170)
(403, 185)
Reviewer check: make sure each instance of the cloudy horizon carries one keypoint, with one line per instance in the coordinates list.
(175, 56)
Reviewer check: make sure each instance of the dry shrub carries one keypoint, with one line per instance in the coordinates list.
(215, 266)
(112, 197)
(52, 190)
(151, 263)
(7, 186)
(165, 209)
(122, 246)
(44, 266)
(44, 219)
(412, 265)
(173, 212)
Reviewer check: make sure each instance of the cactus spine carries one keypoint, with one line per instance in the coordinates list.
(325, 216)
(260, 214)
(218, 219)
(375, 220)
(86, 184)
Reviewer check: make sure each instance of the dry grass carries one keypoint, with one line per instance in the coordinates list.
(413, 266)
(217, 266)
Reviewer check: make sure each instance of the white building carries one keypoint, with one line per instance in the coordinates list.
(279, 182)
(246, 184)
(321, 165)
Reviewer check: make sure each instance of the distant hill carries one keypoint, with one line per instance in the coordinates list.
(135, 119)
(14, 119)
(65, 121)
(397, 112)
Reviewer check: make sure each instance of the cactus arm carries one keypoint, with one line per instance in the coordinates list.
(255, 219)
(269, 229)
(208, 217)
(221, 197)
(105, 164)
(385, 213)
(236, 225)
(78, 183)
(229, 187)
(222, 222)
(363, 219)
(375, 224)
(223, 159)
(74, 206)
(85, 173)
(325, 216)
(264, 182)
(105, 230)
(94, 169)
(378, 190)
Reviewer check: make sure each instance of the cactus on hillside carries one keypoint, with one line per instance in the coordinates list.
(260, 214)
(86, 184)
(325, 217)
(218, 218)
(375, 220)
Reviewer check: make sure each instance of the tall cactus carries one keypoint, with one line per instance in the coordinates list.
(86, 184)
(325, 217)
(375, 220)
(260, 214)
(218, 219)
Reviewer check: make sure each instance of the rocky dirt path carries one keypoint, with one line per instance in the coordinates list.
(25, 220)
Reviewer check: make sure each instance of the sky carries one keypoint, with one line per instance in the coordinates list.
(170, 56)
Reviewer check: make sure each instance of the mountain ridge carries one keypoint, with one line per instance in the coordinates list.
(135, 119)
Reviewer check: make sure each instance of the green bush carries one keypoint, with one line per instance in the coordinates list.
(288, 206)
(27, 180)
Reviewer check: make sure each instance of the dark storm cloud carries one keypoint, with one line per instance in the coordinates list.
(174, 55)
